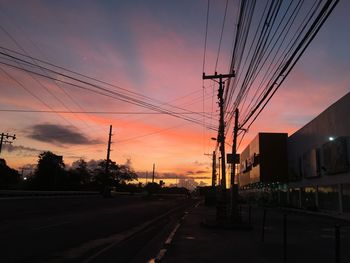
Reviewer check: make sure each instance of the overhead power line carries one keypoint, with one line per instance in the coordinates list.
(45, 87)
(221, 35)
(93, 112)
(271, 37)
(85, 85)
(121, 90)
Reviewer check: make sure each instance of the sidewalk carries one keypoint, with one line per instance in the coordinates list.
(195, 243)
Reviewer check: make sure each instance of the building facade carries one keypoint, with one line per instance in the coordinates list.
(316, 171)
(264, 161)
(319, 161)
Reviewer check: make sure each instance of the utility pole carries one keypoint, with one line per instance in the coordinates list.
(221, 135)
(154, 166)
(234, 190)
(213, 175)
(108, 149)
(4, 139)
(220, 182)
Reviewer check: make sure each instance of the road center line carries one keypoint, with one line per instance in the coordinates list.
(110, 241)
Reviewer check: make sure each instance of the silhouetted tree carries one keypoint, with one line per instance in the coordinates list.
(124, 174)
(50, 170)
(100, 176)
(8, 176)
(117, 174)
(152, 188)
(80, 174)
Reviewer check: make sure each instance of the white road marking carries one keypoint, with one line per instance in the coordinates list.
(107, 242)
(172, 234)
(160, 255)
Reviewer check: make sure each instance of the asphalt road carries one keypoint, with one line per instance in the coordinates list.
(86, 229)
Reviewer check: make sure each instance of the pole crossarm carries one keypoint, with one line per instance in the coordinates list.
(4, 139)
(219, 76)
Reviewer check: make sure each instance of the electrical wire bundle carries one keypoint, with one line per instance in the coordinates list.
(270, 37)
(72, 79)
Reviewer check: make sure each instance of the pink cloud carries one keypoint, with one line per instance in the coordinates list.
(172, 63)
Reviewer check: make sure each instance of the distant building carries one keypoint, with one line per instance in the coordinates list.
(264, 161)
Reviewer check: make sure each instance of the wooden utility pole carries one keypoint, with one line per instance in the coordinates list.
(234, 190)
(4, 139)
(221, 135)
(213, 175)
(220, 182)
(108, 149)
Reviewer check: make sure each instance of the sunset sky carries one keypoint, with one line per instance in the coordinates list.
(154, 48)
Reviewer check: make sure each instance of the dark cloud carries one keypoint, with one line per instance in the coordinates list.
(199, 177)
(201, 172)
(58, 134)
(200, 163)
(21, 150)
(196, 172)
(172, 176)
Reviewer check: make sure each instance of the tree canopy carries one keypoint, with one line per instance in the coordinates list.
(117, 174)
(8, 176)
(50, 170)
